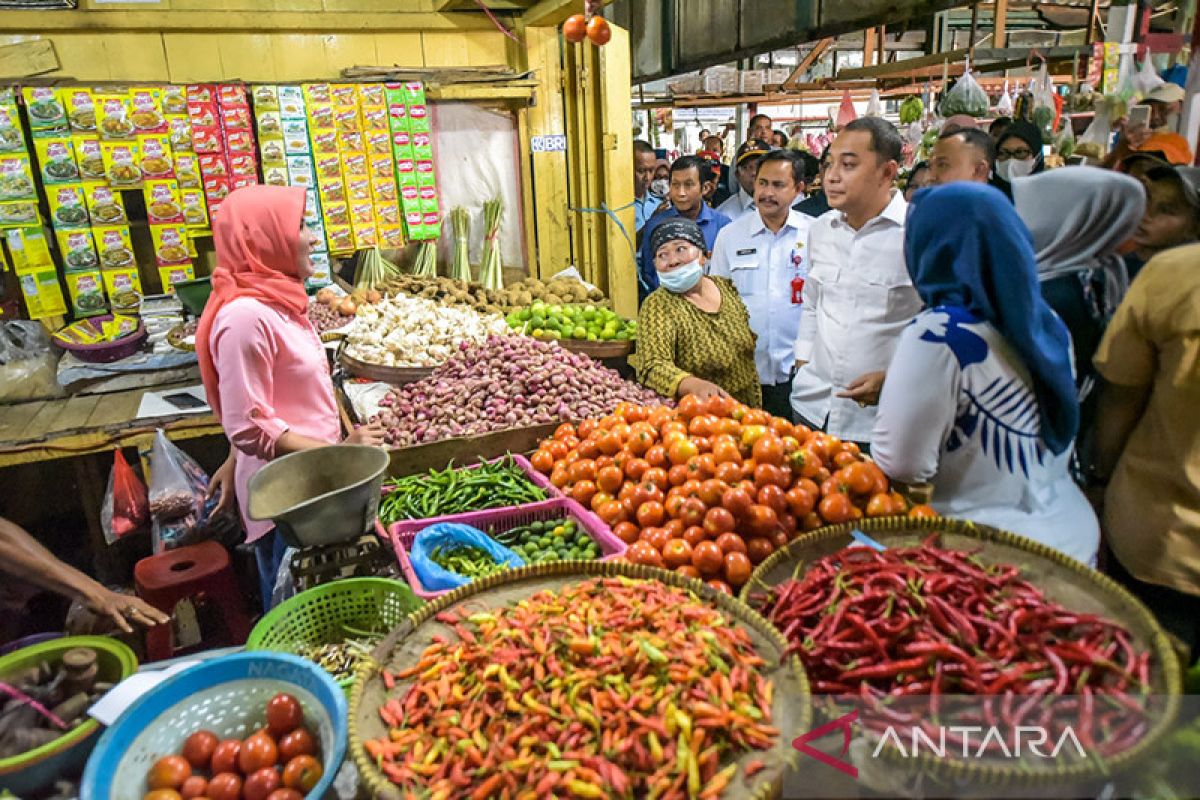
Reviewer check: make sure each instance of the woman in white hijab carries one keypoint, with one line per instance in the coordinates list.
(1079, 216)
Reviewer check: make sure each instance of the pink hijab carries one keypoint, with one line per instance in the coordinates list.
(257, 234)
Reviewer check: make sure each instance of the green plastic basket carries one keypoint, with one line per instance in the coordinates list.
(36, 769)
(316, 617)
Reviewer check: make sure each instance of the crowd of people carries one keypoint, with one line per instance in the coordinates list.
(1024, 339)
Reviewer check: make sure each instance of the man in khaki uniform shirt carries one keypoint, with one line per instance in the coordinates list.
(1149, 427)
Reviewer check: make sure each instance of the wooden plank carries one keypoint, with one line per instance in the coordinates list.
(248, 21)
(16, 418)
(809, 59)
(548, 171)
(115, 408)
(868, 51)
(75, 414)
(908, 63)
(616, 124)
(1000, 23)
(481, 93)
(27, 58)
(242, 57)
(436, 455)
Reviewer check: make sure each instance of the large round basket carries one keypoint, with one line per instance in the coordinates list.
(397, 376)
(331, 613)
(30, 772)
(598, 350)
(1063, 580)
(226, 695)
(791, 709)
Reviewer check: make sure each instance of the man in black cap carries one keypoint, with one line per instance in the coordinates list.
(817, 204)
(746, 167)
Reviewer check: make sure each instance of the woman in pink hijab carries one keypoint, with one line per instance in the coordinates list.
(262, 363)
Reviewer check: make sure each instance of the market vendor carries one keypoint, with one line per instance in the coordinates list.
(694, 332)
(1018, 155)
(24, 557)
(979, 398)
(263, 366)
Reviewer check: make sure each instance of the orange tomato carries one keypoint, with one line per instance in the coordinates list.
(655, 537)
(647, 492)
(762, 520)
(565, 430)
(656, 456)
(225, 786)
(922, 511)
(728, 472)
(718, 406)
(609, 444)
(635, 468)
(302, 773)
(718, 520)
(858, 476)
(811, 521)
(737, 568)
(731, 542)
(677, 475)
(639, 443)
(773, 497)
(844, 459)
(609, 478)
(758, 549)
(650, 513)
(194, 786)
(707, 465)
(657, 476)
(737, 502)
(688, 571)
(583, 470)
(752, 433)
(701, 425)
(673, 505)
(557, 449)
(689, 406)
(574, 30)
(583, 492)
(658, 415)
(836, 507)
(585, 428)
(677, 553)
(768, 450)
(729, 427)
(720, 586)
(611, 512)
(681, 451)
(692, 511)
(708, 558)
(805, 462)
(800, 500)
(694, 535)
(627, 532)
(711, 491)
(542, 461)
(725, 449)
(169, 772)
(880, 505)
(674, 527)
(771, 475)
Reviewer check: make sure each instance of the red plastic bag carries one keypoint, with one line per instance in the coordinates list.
(126, 505)
(846, 111)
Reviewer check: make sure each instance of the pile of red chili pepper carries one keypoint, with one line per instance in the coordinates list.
(933, 622)
(611, 687)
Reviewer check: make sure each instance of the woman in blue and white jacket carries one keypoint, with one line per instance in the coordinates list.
(980, 396)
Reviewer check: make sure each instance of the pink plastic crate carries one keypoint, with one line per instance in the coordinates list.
(402, 534)
(535, 477)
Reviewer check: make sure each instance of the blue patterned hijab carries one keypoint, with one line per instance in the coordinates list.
(967, 248)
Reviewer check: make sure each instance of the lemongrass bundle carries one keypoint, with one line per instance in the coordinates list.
(460, 267)
(490, 269)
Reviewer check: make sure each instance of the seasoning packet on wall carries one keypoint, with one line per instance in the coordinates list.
(80, 106)
(12, 139)
(275, 175)
(122, 281)
(105, 205)
(317, 93)
(295, 137)
(47, 117)
(86, 290)
(187, 170)
(89, 158)
(174, 100)
(19, 213)
(121, 164)
(344, 94)
(68, 206)
(180, 132)
(170, 244)
(156, 155)
(291, 102)
(112, 116)
(145, 110)
(164, 205)
(265, 98)
(177, 273)
(28, 249)
(16, 178)
(43, 294)
(115, 246)
(56, 158)
(391, 236)
(195, 212)
(78, 249)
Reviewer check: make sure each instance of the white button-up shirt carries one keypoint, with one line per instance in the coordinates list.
(737, 205)
(762, 265)
(857, 299)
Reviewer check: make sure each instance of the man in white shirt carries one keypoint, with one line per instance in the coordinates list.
(858, 296)
(746, 170)
(763, 253)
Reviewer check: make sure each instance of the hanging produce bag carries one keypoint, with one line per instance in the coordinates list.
(447, 540)
(911, 110)
(1045, 109)
(965, 97)
(1147, 78)
(846, 112)
(1004, 106)
(874, 105)
(126, 506)
(178, 487)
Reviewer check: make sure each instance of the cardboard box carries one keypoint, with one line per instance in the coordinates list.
(104, 205)
(68, 206)
(43, 294)
(78, 249)
(86, 290)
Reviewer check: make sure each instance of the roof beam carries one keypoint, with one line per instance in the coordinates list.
(809, 59)
(226, 21)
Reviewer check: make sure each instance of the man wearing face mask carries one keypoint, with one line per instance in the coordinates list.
(694, 332)
(691, 178)
(1018, 155)
(858, 295)
(763, 253)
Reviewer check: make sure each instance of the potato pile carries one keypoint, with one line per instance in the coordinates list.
(447, 291)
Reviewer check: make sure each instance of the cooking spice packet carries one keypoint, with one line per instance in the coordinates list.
(365, 236)
(355, 164)
(187, 170)
(121, 281)
(272, 150)
(375, 119)
(418, 119)
(379, 143)
(358, 189)
(295, 137)
(68, 206)
(333, 190)
(372, 94)
(56, 158)
(425, 173)
(156, 154)
(275, 175)
(201, 93)
(145, 110)
(47, 117)
(341, 239)
(236, 118)
(351, 142)
(105, 205)
(344, 94)
(239, 142)
(422, 145)
(317, 93)
(19, 213)
(300, 171)
(231, 95)
(321, 272)
(80, 106)
(213, 165)
(324, 141)
(206, 139)
(120, 325)
(391, 236)
(429, 198)
(312, 207)
(265, 98)
(164, 205)
(362, 214)
(406, 172)
(203, 115)
(174, 100)
(170, 244)
(12, 139)
(86, 290)
(387, 213)
(89, 158)
(112, 116)
(171, 275)
(28, 249)
(16, 178)
(321, 115)
(195, 211)
(383, 190)
(115, 246)
(43, 294)
(238, 181)
(270, 123)
(243, 165)
(78, 249)
(382, 167)
(291, 102)
(347, 121)
(216, 189)
(121, 164)
(398, 117)
(328, 166)
(336, 214)
(180, 130)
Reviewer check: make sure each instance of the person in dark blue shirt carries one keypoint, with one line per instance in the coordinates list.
(691, 176)
(817, 204)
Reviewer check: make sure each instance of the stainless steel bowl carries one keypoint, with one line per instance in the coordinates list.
(321, 496)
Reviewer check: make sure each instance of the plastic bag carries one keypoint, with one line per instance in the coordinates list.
(1147, 78)
(178, 487)
(874, 105)
(1004, 106)
(1045, 109)
(1064, 140)
(965, 97)
(447, 533)
(846, 112)
(126, 506)
(28, 363)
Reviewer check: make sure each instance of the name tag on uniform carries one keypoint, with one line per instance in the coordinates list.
(745, 259)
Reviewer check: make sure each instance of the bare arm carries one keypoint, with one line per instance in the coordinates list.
(24, 556)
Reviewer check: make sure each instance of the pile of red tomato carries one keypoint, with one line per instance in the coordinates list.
(712, 487)
(278, 762)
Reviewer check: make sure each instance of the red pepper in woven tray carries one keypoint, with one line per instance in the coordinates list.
(605, 688)
(932, 621)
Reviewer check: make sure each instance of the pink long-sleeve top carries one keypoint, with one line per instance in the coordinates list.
(274, 378)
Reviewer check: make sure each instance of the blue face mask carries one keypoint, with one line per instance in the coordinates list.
(682, 279)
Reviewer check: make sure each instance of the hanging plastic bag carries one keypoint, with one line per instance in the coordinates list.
(178, 486)
(966, 96)
(449, 534)
(1004, 106)
(1146, 78)
(1045, 109)
(1064, 140)
(846, 112)
(874, 105)
(1083, 100)
(126, 506)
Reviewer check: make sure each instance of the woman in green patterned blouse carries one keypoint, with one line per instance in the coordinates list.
(694, 332)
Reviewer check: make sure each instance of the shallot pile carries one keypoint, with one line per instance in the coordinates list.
(504, 382)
